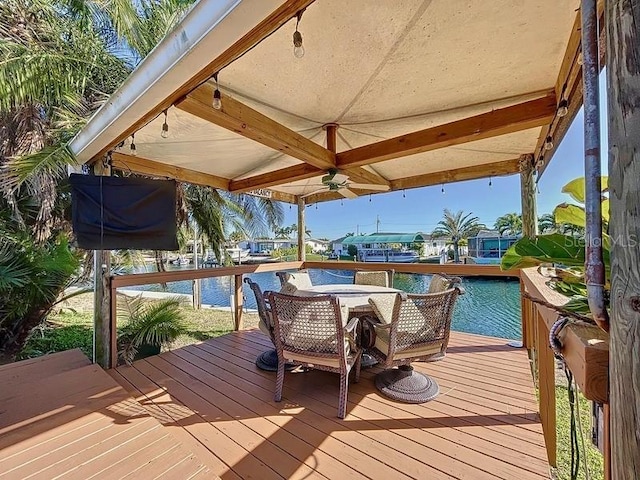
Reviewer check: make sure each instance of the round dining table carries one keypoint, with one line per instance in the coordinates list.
(355, 297)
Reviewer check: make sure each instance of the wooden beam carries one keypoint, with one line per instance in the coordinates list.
(276, 177)
(623, 78)
(270, 24)
(495, 169)
(360, 175)
(568, 86)
(528, 196)
(250, 123)
(302, 253)
(515, 118)
(144, 166)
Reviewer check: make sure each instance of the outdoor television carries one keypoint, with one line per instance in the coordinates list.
(111, 213)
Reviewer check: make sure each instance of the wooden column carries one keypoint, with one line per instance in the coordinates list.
(623, 87)
(104, 333)
(238, 302)
(528, 196)
(545, 361)
(302, 254)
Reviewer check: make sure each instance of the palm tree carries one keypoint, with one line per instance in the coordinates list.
(510, 223)
(60, 60)
(457, 226)
(547, 223)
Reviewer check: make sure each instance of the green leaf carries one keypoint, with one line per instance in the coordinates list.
(605, 210)
(571, 214)
(554, 248)
(577, 304)
(575, 188)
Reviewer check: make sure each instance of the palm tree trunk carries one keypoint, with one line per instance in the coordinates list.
(456, 252)
(160, 266)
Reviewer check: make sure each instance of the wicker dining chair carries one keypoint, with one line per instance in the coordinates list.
(267, 360)
(412, 327)
(313, 331)
(382, 278)
(292, 281)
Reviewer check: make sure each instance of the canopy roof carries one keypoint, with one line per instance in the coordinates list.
(384, 238)
(398, 94)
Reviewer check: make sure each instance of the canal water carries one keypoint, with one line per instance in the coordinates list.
(490, 306)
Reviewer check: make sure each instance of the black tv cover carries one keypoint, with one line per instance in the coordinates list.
(123, 213)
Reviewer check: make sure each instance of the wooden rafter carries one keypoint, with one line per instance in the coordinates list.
(276, 177)
(569, 87)
(144, 166)
(250, 123)
(494, 169)
(522, 116)
(270, 24)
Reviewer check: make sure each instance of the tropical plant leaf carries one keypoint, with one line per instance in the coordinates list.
(576, 188)
(571, 214)
(578, 304)
(554, 248)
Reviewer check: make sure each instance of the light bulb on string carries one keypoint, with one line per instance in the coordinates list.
(404, 195)
(217, 97)
(298, 48)
(442, 189)
(369, 197)
(165, 127)
(132, 147)
(490, 182)
(563, 108)
(548, 143)
(316, 206)
(341, 204)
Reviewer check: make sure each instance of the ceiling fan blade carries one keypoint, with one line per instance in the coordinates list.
(314, 192)
(369, 186)
(345, 192)
(298, 186)
(339, 178)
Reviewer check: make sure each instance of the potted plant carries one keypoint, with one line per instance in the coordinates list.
(149, 326)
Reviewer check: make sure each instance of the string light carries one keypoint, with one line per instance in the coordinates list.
(369, 197)
(563, 108)
(165, 127)
(316, 206)
(404, 195)
(442, 189)
(217, 98)
(132, 147)
(548, 143)
(540, 162)
(490, 182)
(341, 204)
(298, 48)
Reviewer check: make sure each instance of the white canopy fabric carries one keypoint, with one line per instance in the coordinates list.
(378, 69)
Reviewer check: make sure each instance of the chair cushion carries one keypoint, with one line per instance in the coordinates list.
(438, 284)
(382, 344)
(382, 304)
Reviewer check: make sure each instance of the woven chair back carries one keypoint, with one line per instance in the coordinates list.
(308, 324)
(423, 319)
(263, 310)
(381, 278)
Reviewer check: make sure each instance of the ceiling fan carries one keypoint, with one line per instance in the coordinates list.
(335, 181)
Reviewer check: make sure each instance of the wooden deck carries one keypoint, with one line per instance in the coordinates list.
(213, 399)
(61, 417)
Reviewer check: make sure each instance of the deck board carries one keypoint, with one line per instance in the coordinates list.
(483, 425)
(65, 418)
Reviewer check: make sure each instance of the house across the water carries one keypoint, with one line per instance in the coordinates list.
(488, 246)
(383, 247)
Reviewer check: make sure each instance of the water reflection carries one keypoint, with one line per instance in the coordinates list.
(489, 307)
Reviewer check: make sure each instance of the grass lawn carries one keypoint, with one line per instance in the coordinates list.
(595, 461)
(71, 327)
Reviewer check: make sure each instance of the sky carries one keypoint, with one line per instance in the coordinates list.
(420, 209)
